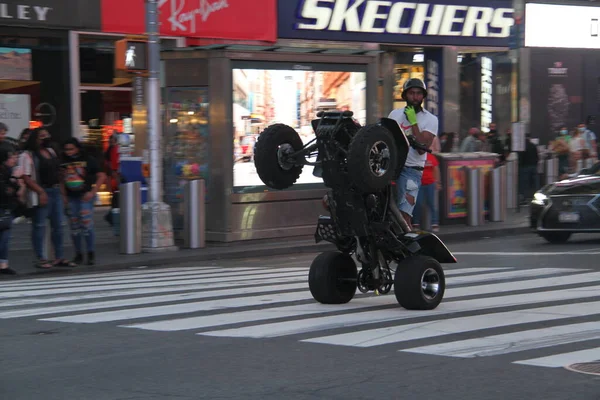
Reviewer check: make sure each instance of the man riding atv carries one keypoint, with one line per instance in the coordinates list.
(423, 125)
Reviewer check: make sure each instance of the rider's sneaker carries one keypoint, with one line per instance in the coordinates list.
(416, 226)
(435, 228)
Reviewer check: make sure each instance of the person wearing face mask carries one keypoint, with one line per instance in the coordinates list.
(423, 125)
(40, 167)
(82, 177)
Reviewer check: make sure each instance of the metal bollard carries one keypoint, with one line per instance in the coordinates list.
(475, 196)
(551, 171)
(512, 184)
(579, 166)
(194, 221)
(497, 197)
(130, 217)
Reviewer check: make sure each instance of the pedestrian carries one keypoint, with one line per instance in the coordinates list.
(82, 177)
(40, 166)
(560, 147)
(10, 190)
(423, 126)
(430, 185)
(472, 143)
(528, 164)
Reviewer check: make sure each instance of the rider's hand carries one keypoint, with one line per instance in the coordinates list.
(411, 115)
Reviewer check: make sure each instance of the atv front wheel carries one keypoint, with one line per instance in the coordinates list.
(372, 158)
(419, 283)
(270, 151)
(332, 278)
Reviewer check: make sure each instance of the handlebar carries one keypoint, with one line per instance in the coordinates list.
(416, 145)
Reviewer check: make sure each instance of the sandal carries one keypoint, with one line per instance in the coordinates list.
(64, 263)
(43, 264)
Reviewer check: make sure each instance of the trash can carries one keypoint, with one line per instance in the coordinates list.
(497, 196)
(194, 220)
(475, 196)
(130, 217)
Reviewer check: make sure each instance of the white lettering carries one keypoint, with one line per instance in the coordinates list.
(372, 15)
(486, 93)
(41, 12)
(344, 14)
(502, 22)
(187, 20)
(421, 17)
(4, 11)
(450, 19)
(433, 88)
(477, 21)
(321, 15)
(395, 17)
(441, 20)
(22, 12)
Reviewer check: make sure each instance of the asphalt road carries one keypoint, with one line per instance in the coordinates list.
(516, 312)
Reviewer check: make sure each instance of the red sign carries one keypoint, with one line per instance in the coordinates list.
(254, 20)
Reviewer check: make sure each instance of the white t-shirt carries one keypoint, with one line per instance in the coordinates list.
(426, 122)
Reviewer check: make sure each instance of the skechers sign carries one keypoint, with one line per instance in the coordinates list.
(402, 22)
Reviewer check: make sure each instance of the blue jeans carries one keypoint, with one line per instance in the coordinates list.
(4, 241)
(408, 184)
(54, 211)
(427, 197)
(82, 224)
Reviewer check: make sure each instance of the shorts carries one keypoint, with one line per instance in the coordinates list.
(408, 183)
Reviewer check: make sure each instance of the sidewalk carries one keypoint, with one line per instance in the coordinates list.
(108, 257)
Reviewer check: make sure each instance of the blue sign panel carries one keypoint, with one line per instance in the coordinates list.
(426, 22)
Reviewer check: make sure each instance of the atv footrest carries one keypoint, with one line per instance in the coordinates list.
(326, 230)
(385, 238)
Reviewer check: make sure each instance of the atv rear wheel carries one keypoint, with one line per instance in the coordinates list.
(419, 283)
(332, 278)
(372, 158)
(273, 144)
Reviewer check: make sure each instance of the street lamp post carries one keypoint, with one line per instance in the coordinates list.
(157, 225)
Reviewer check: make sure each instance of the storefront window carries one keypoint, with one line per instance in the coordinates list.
(186, 154)
(32, 89)
(269, 93)
(403, 73)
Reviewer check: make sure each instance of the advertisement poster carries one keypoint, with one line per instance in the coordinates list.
(15, 112)
(186, 146)
(456, 184)
(263, 97)
(557, 91)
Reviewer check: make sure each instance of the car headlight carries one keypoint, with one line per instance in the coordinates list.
(540, 199)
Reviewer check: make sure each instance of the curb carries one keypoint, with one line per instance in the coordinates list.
(227, 253)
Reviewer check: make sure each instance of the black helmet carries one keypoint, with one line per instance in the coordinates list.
(414, 83)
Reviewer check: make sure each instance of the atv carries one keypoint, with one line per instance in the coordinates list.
(360, 165)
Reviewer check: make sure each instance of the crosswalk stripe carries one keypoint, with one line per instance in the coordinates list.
(430, 329)
(510, 275)
(374, 317)
(563, 359)
(29, 312)
(190, 323)
(222, 276)
(219, 304)
(117, 278)
(208, 283)
(513, 342)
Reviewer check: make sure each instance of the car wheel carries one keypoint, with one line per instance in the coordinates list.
(556, 237)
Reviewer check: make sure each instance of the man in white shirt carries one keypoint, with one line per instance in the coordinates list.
(423, 125)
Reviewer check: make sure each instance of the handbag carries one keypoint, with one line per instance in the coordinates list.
(6, 219)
